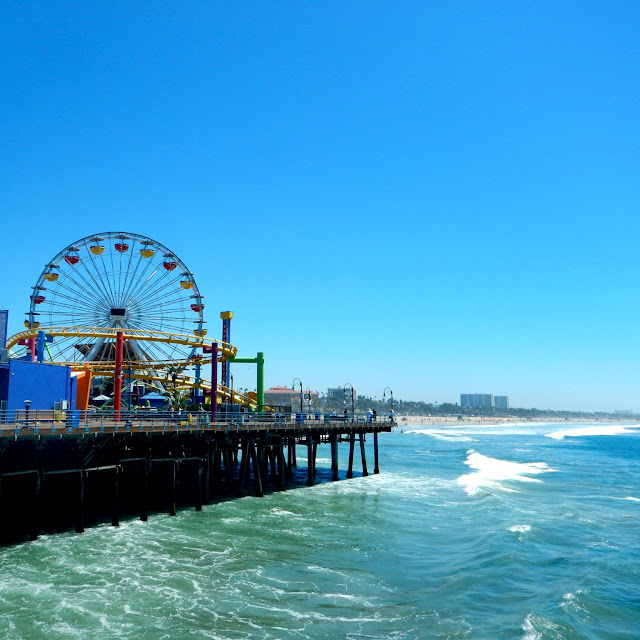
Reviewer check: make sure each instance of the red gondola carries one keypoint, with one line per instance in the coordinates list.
(37, 299)
(197, 307)
(71, 259)
(169, 266)
(122, 247)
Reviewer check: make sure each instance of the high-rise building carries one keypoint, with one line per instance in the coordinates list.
(476, 400)
(501, 402)
(341, 393)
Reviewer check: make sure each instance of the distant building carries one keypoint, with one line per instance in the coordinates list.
(624, 412)
(476, 400)
(501, 402)
(285, 396)
(340, 393)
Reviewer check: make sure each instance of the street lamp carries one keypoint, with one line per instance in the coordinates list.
(27, 406)
(353, 411)
(384, 396)
(293, 386)
(231, 378)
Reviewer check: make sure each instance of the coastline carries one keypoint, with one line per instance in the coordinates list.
(497, 421)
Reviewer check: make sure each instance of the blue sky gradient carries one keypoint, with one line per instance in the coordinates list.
(441, 198)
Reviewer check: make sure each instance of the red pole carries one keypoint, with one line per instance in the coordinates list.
(32, 348)
(214, 382)
(117, 374)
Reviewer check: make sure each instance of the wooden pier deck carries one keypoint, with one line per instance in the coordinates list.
(67, 470)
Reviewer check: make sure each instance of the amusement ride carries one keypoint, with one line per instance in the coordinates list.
(121, 305)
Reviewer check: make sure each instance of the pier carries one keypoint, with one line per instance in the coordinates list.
(64, 470)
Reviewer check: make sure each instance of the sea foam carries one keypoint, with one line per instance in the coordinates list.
(490, 472)
(597, 430)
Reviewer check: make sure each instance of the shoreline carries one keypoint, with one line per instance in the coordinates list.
(497, 421)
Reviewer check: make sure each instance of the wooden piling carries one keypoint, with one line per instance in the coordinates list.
(334, 456)
(352, 444)
(115, 509)
(376, 468)
(174, 487)
(257, 476)
(35, 510)
(80, 505)
(281, 464)
(199, 485)
(144, 512)
(363, 456)
(309, 461)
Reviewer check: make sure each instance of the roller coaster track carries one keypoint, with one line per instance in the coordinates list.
(225, 349)
(106, 368)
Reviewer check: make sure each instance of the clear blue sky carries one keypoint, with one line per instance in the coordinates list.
(435, 197)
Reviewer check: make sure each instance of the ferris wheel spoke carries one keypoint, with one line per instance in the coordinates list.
(79, 288)
(152, 288)
(73, 302)
(144, 285)
(133, 278)
(97, 284)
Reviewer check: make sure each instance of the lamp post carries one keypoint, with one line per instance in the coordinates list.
(27, 406)
(231, 378)
(384, 396)
(353, 411)
(293, 386)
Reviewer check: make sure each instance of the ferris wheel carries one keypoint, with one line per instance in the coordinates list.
(122, 281)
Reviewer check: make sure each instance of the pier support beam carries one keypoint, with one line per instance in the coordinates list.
(352, 443)
(207, 473)
(310, 461)
(376, 468)
(244, 468)
(334, 455)
(174, 487)
(365, 473)
(144, 512)
(80, 505)
(257, 476)
(199, 486)
(115, 509)
(35, 509)
(281, 464)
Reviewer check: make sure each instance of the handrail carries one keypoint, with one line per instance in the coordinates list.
(141, 418)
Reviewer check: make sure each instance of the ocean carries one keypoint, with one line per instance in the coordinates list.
(528, 532)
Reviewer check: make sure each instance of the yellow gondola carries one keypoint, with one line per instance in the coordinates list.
(147, 253)
(201, 333)
(96, 249)
(31, 325)
(51, 277)
(186, 284)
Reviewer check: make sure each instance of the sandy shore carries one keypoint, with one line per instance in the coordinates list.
(479, 420)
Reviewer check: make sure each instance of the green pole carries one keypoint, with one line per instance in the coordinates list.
(260, 381)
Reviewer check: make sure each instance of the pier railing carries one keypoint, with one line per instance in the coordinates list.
(14, 422)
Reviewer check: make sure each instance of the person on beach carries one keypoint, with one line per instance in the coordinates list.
(346, 415)
(392, 415)
(369, 415)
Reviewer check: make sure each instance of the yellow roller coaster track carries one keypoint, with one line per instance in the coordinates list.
(225, 349)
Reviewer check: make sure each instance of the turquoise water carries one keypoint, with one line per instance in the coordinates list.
(468, 532)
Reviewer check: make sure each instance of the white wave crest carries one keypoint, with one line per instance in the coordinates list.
(520, 528)
(491, 471)
(598, 430)
(441, 434)
(632, 499)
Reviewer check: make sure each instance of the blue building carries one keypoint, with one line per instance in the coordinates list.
(47, 386)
